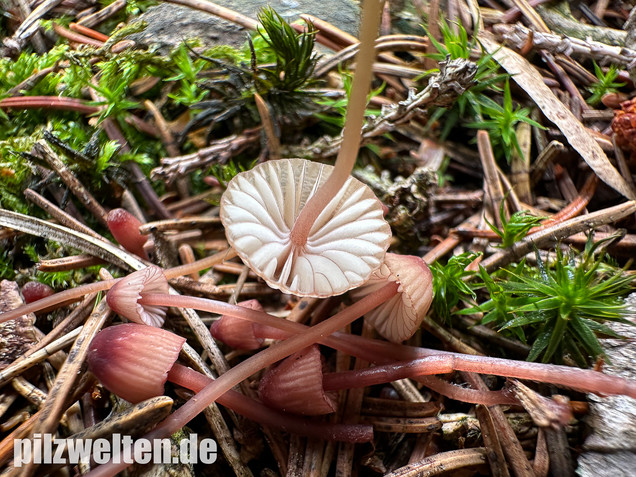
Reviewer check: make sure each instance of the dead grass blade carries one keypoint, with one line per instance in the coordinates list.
(577, 135)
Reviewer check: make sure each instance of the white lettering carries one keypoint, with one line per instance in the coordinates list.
(207, 451)
(79, 450)
(21, 452)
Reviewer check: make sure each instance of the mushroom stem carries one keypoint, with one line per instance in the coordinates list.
(580, 379)
(56, 300)
(413, 360)
(266, 416)
(74, 294)
(242, 371)
(353, 124)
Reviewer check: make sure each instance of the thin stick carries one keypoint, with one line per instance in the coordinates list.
(491, 177)
(60, 103)
(44, 151)
(219, 11)
(84, 30)
(75, 36)
(443, 462)
(21, 365)
(268, 126)
(103, 14)
(559, 231)
(58, 214)
(67, 377)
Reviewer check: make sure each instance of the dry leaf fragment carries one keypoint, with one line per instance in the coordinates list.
(577, 135)
(16, 336)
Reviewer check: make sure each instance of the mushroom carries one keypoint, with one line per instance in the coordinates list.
(123, 298)
(125, 228)
(295, 385)
(399, 318)
(344, 246)
(307, 228)
(585, 380)
(33, 291)
(300, 336)
(134, 362)
(238, 333)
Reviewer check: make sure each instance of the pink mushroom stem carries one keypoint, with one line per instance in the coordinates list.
(242, 371)
(58, 299)
(413, 361)
(258, 412)
(581, 379)
(354, 119)
(74, 294)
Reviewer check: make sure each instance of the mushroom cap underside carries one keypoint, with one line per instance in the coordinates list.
(345, 245)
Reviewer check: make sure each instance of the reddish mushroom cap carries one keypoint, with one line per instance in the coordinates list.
(398, 318)
(345, 245)
(33, 291)
(123, 297)
(125, 228)
(132, 360)
(295, 385)
(237, 332)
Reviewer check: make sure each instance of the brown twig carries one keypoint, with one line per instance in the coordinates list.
(58, 214)
(101, 15)
(219, 11)
(559, 231)
(73, 262)
(76, 37)
(273, 143)
(443, 462)
(44, 151)
(491, 177)
(89, 32)
(48, 419)
(60, 103)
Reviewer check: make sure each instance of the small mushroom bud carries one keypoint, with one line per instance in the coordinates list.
(125, 228)
(133, 360)
(295, 385)
(33, 291)
(237, 332)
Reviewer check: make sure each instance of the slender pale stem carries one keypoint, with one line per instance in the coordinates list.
(413, 358)
(57, 299)
(267, 416)
(580, 379)
(242, 371)
(353, 125)
(76, 293)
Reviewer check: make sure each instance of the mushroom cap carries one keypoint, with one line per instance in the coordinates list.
(122, 298)
(125, 228)
(33, 291)
(399, 317)
(237, 332)
(295, 385)
(345, 245)
(133, 360)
